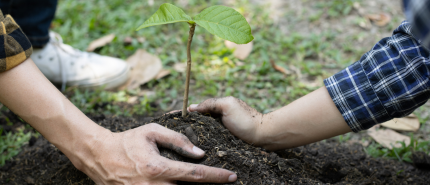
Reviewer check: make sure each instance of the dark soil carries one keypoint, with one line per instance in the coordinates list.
(320, 163)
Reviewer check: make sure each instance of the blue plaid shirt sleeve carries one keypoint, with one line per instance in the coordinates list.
(389, 81)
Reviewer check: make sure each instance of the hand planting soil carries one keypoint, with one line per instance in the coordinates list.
(320, 163)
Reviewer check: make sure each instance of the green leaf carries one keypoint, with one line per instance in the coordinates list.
(225, 22)
(167, 13)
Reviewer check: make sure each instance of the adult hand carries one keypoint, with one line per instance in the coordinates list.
(132, 157)
(242, 120)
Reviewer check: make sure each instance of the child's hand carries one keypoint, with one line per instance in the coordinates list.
(308, 119)
(242, 120)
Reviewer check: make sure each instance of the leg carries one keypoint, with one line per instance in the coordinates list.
(34, 17)
(59, 62)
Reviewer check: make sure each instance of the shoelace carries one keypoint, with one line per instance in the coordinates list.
(68, 49)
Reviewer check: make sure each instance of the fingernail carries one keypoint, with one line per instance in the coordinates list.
(193, 106)
(232, 178)
(198, 151)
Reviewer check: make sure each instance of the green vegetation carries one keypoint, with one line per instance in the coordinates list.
(221, 21)
(92, 102)
(10, 144)
(403, 153)
(337, 8)
(344, 137)
(218, 72)
(229, 23)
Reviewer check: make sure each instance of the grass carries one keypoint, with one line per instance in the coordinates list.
(11, 143)
(343, 138)
(336, 8)
(215, 71)
(403, 153)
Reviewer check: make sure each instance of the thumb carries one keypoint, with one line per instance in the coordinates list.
(173, 140)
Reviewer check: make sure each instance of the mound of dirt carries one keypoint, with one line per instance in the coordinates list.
(319, 163)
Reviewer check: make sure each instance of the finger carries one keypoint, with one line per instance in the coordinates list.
(189, 172)
(173, 140)
(214, 105)
(173, 111)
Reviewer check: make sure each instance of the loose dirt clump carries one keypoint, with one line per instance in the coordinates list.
(319, 163)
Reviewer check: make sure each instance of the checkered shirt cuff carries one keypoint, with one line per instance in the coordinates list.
(354, 97)
(389, 81)
(15, 47)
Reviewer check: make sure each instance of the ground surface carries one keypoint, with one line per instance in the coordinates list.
(312, 39)
(319, 163)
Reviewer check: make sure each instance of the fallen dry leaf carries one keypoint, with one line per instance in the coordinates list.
(100, 42)
(132, 99)
(279, 68)
(180, 67)
(241, 50)
(388, 138)
(380, 19)
(162, 73)
(411, 116)
(364, 143)
(144, 67)
(409, 123)
(365, 23)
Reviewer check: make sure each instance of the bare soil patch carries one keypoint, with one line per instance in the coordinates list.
(320, 163)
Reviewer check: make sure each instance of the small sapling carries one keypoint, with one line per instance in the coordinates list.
(221, 21)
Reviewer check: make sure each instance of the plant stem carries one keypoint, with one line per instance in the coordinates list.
(187, 81)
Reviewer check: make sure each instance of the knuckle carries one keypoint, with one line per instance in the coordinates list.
(154, 170)
(151, 132)
(198, 173)
(153, 128)
(230, 98)
(206, 103)
(220, 176)
(152, 125)
(182, 141)
(182, 137)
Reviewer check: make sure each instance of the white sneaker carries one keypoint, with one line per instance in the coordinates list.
(62, 64)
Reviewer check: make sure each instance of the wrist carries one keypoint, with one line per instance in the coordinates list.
(81, 149)
(261, 132)
(269, 133)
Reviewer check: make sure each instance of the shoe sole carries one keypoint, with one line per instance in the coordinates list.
(109, 83)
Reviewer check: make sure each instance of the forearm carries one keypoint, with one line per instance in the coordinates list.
(30, 95)
(311, 118)
(129, 157)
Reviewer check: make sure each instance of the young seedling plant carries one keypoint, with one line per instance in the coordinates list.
(221, 21)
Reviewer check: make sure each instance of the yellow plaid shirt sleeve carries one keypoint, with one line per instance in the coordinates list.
(15, 47)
